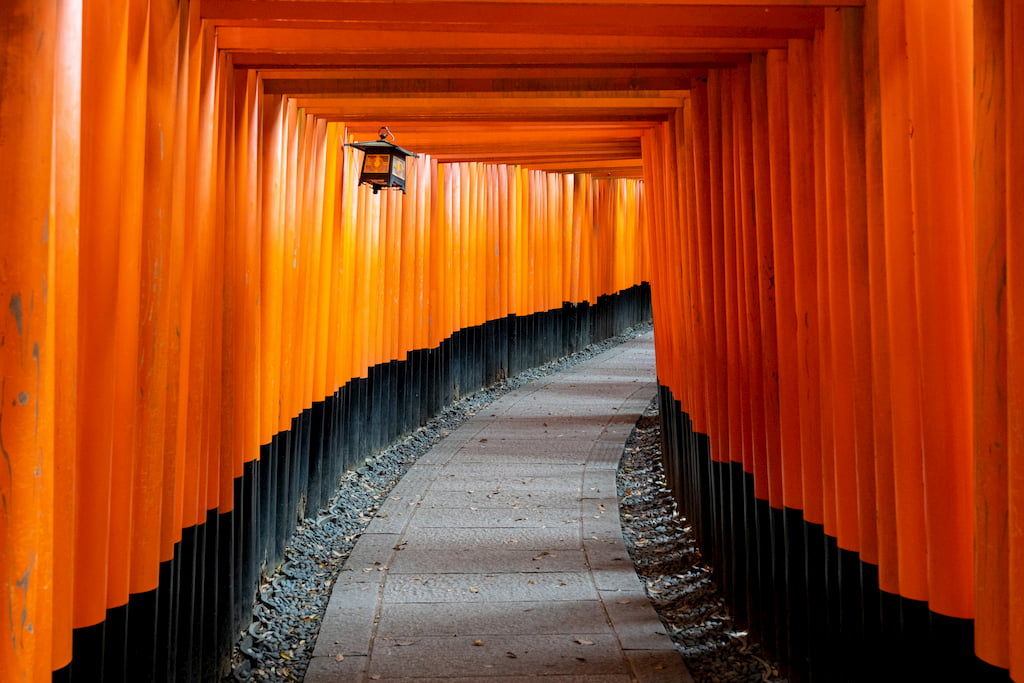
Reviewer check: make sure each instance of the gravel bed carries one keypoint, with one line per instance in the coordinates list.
(278, 644)
(680, 586)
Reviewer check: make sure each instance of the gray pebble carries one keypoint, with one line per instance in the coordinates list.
(669, 562)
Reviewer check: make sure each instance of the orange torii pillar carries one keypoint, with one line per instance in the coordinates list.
(204, 322)
(837, 293)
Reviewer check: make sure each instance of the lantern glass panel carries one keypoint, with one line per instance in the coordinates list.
(398, 168)
(376, 163)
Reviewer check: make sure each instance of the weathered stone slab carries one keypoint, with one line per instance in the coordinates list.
(446, 588)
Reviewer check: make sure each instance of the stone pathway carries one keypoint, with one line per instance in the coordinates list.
(500, 554)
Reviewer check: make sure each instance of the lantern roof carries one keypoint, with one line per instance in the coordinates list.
(381, 145)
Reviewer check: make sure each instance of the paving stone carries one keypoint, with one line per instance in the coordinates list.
(421, 471)
(394, 515)
(489, 539)
(585, 407)
(521, 484)
(597, 535)
(418, 478)
(563, 420)
(492, 518)
(441, 452)
(599, 483)
(500, 655)
(357, 590)
(552, 432)
(500, 678)
(484, 561)
(596, 521)
(510, 471)
(484, 498)
(330, 670)
(603, 511)
(635, 621)
(492, 618)
(526, 457)
(658, 666)
(443, 588)
(605, 456)
(611, 567)
(372, 550)
(348, 633)
(492, 444)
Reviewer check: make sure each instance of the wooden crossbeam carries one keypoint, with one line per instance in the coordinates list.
(555, 85)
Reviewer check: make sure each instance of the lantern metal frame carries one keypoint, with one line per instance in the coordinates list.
(383, 162)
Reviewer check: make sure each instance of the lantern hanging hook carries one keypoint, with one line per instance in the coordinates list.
(384, 132)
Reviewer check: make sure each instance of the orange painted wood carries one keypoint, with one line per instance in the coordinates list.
(941, 209)
(660, 19)
(905, 340)
(800, 116)
(1014, 50)
(271, 267)
(881, 364)
(733, 357)
(173, 491)
(27, 362)
(66, 198)
(345, 329)
(103, 88)
(326, 380)
(859, 278)
(754, 211)
(249, 220)
(778, 265)
(991, 557)
(720, 434)
(746, 256)
(688, 294)
(824, 377)
(702, 183)
(238, 275)
(840, 371)
(645, 3)
(340, 41)
(221, 466)
(154, 324)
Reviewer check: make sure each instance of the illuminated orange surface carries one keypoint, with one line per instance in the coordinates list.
(187, 262)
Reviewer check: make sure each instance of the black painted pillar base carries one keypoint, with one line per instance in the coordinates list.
(817, 607)
(185, 629)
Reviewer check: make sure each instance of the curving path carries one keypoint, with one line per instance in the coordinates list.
(500, 555)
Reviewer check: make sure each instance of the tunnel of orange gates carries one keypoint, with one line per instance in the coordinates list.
(206, 320)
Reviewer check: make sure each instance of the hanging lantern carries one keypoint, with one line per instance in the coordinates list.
(383, 162)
